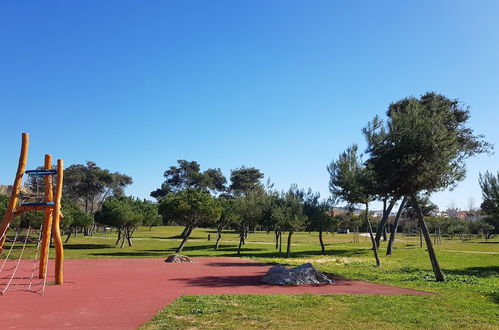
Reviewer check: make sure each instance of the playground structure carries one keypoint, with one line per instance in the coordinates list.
(42, 191)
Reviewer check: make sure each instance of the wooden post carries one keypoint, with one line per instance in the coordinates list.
(47, 224)
(59, 252)
(14, 195)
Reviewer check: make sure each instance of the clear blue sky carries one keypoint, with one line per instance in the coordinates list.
(284, 86)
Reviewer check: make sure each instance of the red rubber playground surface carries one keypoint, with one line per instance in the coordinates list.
(125, 293)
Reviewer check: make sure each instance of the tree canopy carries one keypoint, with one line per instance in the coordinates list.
(188, 175)
(245, 179)
(89, 185)
(422, 145)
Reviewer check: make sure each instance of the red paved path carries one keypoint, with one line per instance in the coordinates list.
(125, 293)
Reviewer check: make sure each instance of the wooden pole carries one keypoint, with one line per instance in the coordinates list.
(47, 224)
(14, 195)
(56, 217)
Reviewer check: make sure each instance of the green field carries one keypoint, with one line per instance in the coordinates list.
(469, 299)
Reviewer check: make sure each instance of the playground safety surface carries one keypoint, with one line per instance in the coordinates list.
(127, 292)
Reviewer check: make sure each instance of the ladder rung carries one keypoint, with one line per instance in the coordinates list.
(38, 204)
(41, 172)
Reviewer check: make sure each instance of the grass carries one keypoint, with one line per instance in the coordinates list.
(469, 299)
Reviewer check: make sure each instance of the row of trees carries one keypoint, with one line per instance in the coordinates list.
(273, 211)
(195, 198)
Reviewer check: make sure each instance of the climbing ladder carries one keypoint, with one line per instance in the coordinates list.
(41, 193)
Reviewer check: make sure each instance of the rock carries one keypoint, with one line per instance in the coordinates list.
(305, 274)
(178, 258)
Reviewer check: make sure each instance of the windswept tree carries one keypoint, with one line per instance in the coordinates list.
(295, 219)
(320, 215)
(352, 182)
(244, 180)
(89, 185)
(274, 216)
(74, 218)
(250, 210)
(490, 194)
(189, 207)
(421, 148)
(125, 214)
(188, 174)
(229, 215)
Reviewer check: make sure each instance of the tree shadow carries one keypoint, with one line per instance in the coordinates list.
(304, 254)
(488, 242)
(487, 271)
(172, 237)
(494, 296)
(129, 254)
(87, 246)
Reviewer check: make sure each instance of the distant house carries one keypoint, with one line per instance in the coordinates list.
(439, 214)
(469, 215)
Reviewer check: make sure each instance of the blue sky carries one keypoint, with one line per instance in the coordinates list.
(284, 86)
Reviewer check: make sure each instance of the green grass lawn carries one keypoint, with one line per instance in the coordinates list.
(469, 299)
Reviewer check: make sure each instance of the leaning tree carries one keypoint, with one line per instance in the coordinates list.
(353, 183)
(190, 207)
(421, 148)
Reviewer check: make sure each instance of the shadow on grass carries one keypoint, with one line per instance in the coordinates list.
(304, 254)
(488, 242)
(129, 254)
(495, 297)
(172, 237)
(487, 271)
(69, 246)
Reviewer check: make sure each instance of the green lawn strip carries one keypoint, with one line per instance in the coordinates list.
(321, 312)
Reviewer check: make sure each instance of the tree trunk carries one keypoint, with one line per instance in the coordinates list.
(123, 241)
(375, 247)
(385, 231)
(119, 237)
(439, 275)
(241, 239)
(288, 250)
(420, 236)
(276, 239)
(322, 243)
(382, 224)
(219, 236)
(280, 242)
(395, 227)
(184, 232)
(184, 240)
(129, 236)
(69, 235)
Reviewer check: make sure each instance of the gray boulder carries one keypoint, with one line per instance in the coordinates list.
(305, 274)
(178, 258)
